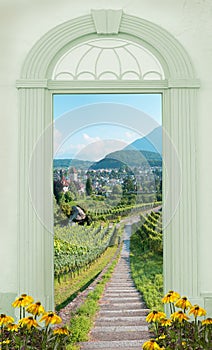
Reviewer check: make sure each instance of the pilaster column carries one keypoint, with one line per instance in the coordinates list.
(180, 226)
(35, 258)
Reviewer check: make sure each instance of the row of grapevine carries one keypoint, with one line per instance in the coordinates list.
(76, 247)
(150, 232)
(122, 210)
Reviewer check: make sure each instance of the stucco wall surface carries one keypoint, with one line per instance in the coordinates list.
(23, 23)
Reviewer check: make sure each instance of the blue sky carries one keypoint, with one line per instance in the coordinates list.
(88, 126)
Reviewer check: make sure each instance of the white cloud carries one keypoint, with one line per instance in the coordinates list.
(91, 139)
(131, 135)
(99, 149)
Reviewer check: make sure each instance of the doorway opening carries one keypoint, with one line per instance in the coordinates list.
(107, 167)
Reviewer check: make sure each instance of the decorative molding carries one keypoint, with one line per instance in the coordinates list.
(108, 59)
(43, 57)
(106, 84)
(107, 21)
(31, 83)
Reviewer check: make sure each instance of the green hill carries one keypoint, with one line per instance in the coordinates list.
(131, 158)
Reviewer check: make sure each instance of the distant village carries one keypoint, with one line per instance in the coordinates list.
(105, 182)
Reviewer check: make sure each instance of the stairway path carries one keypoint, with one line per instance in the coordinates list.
(120, 322)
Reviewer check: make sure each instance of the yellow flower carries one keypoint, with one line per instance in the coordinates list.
(170, 297)
(196, 310)
(207, 321)
(29, 322)
(155, 316)
(183, 303)
(151, 345)
(50, 317)
(4, 319)
(7, 341)
(12, 327)
(162, 336)
(62, 330)
(165, 322)
(23, 300)
(36, 309)
(179, 316)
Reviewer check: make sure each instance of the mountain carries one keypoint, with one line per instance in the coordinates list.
(151, 142)
(130, 158)
(145, 150)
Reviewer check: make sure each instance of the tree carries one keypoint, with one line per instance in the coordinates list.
(88, 187)
(129, 190)
(69, 197)
(117, 189)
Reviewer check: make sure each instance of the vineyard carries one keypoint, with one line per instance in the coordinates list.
(81, 252)
(121, 211)
(150, 232)
(147, 258)
(76, 247)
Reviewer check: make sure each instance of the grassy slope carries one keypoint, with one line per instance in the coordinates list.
(69, 287)
(147, 273)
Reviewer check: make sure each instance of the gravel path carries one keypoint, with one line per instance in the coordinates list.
(120, 323)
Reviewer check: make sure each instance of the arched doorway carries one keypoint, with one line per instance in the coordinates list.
(177, 84)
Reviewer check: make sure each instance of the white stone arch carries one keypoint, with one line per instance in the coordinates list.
(179, 90)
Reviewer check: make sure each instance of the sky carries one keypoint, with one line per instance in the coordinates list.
(89, 126)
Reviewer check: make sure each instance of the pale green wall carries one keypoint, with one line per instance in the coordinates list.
(22, 23)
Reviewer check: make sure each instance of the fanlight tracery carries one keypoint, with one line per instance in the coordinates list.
(108, 59)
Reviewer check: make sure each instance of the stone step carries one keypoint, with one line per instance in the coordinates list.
(119, 289)
(122, 318)
(127, 312)
(121, 321)
(121, 284)
(111, 294)
(121, 280)
(108, 345)
(112, 329)
(122, 306)
(123, 299)
(119, 335)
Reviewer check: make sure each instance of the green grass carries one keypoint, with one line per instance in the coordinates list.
(69, 287)
(147, 273)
